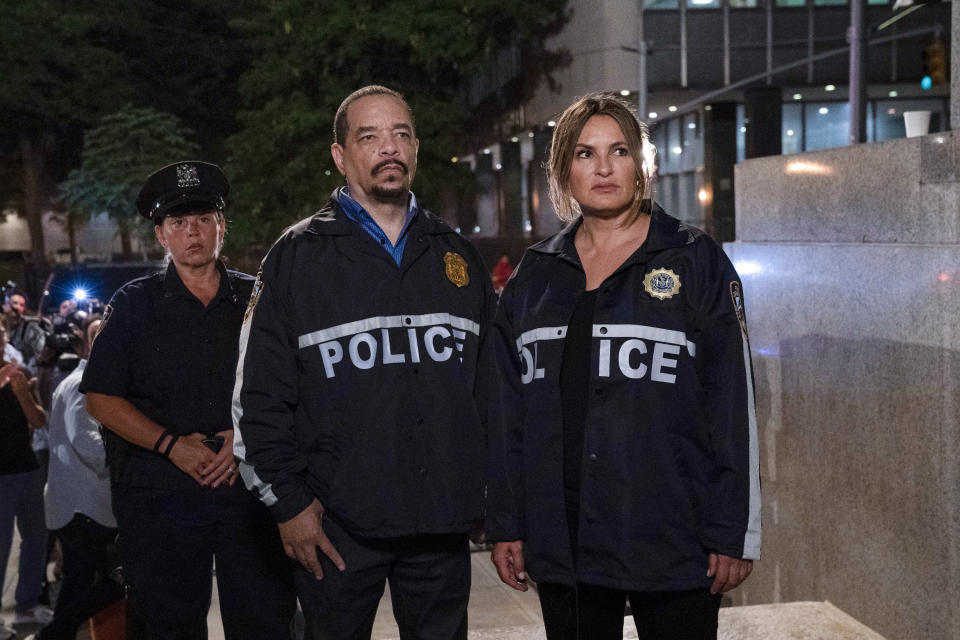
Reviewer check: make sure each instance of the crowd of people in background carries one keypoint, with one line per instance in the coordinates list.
(51, 462)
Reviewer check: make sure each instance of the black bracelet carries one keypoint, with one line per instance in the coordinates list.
(163, 435)
(173, 440)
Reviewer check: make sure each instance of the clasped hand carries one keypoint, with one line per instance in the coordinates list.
(209, 469)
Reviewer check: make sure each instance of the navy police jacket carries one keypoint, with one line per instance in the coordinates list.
(356, 377)
(670, 467)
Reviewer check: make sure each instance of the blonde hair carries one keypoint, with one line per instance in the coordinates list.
(563, 146)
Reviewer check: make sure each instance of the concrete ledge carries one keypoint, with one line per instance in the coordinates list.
(792, 621)
(898, 191)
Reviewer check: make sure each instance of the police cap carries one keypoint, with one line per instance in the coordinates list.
(182, 186)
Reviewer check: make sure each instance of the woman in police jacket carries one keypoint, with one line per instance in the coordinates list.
(623, 449)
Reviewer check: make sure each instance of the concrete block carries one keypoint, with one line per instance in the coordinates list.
(858, 374)
(872, 193)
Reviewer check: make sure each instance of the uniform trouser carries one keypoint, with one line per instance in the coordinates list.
(168, 542)
(87, 584)
(584, 611)
(429, 578)
(21, 500)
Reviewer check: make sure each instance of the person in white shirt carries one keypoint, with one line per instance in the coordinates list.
(78, 504)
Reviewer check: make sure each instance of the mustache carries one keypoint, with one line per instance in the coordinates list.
(388, 163)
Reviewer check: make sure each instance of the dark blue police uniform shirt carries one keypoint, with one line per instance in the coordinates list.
(172, 358)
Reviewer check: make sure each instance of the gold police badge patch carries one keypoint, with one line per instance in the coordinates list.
(661, 283)
(254, 296)
(456, 269)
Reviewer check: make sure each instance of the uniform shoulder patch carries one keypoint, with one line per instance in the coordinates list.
(254, 295)
(661, 283)
(736, 297)
(456, 269)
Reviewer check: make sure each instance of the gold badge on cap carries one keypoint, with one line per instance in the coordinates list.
(254, 296)
(736, 296)
(456, 269)
(661, 283)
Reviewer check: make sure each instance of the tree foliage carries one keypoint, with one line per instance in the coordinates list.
(310, 54)
(118, 154)
(66, 63)
(57, 75)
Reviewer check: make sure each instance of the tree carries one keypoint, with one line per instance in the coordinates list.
(56, 74)
(310, 54)
(118, 154)
(66, 63)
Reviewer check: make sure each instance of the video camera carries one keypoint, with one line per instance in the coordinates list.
(66, 332)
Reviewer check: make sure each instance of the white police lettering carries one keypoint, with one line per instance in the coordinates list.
(634, 344)
(366, 343)
(358, 361)
(531, 371)
(414, 347)
(332, 353)
(659, 362)
(390, 358)
(639, 349)
(429, 338)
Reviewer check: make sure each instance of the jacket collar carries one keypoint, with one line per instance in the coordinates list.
(665, 232)
(331, 220)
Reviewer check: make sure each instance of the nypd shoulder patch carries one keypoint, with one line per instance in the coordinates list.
(736, 297)
(254, 296)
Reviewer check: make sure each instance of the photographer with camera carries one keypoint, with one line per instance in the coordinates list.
(20, 413)
(160, 379)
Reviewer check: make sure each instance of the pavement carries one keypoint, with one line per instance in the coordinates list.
(493, 605)
(497, 612)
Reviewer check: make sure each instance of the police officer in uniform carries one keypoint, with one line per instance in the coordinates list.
(160, 379)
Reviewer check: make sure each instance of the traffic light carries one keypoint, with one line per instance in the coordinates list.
(935, 63)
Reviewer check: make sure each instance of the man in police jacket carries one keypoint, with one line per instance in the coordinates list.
(354, 409)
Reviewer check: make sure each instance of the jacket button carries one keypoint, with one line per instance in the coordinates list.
(408, 320)
(420, 420)
(423, 472)
(599, 392)
(603, 330)
(416, 371)
(592, 457)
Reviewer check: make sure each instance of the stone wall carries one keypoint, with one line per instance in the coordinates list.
(850, 260)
